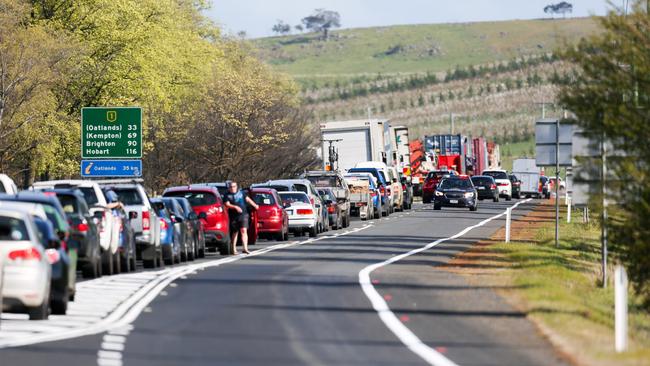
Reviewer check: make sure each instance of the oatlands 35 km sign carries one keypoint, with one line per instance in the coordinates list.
(111, 133)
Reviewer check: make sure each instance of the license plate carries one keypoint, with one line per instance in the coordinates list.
(480, 188)
(453, 201)
(289, 212)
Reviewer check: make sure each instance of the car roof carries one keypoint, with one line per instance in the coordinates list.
(292, 192)
(192, 188)
(29, 208)
(74, 182)
(371, 164)
(263, 189)
(35, 197)
(495, 170)
(483, 176)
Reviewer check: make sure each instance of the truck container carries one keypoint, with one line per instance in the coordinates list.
(528, 173)
(452, 151)
(401, 152)
(355, 142)
(494, 156)
(480, 155)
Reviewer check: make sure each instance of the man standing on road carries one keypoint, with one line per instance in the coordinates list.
(237, 202)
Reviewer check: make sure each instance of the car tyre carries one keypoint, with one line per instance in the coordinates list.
(473, 208)
(313, 232)
(437, 207)
(107, 263)
(60, 307)
(508, 198)
(496, 199)
(42, 311)
(91, 269)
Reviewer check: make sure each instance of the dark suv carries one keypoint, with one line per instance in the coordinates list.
(456, 191)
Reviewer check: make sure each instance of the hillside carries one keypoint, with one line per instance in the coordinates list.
(417, 48)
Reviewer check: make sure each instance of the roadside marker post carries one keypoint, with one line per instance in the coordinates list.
(568, 209)
(620, 308)
(508, 220)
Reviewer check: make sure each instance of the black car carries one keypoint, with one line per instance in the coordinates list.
(333, 209)
(197, 226)
(407, 190)
(84, 231)
(455, 192)
(59, 291)
(189, 250)
(486, 187)
(516, 186)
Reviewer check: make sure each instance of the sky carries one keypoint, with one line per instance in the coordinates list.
(256, 17)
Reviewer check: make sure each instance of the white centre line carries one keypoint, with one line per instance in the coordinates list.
(405, 335)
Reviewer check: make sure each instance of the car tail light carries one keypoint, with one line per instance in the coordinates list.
(403, 187)
(503, 184)
(330, 209)
(311, 199)
(25, 254)
(382, 190)
(146, 221)
(305, 211)
(494, 186)
(163, 224)
(373, 193)
(83, 226)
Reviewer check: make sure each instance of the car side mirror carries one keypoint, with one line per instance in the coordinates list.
(192, 216)
(203, 216)
(178, 219)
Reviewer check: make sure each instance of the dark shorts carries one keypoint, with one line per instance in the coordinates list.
(238, 222)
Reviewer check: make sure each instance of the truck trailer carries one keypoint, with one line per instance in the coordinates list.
(355, 142)
(528, 173)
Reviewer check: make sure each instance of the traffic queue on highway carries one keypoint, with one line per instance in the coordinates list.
(56, 232)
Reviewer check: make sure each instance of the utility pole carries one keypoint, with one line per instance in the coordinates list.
(543, 104)
(333, 154)
(603, 226)
(557, 183)
(451, 120)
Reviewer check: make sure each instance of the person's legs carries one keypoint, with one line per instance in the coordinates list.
(244, 239)
(234, 235)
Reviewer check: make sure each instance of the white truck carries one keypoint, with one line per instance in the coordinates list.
(528, 173)
(7, 185)
(355, 142)
(401, 153)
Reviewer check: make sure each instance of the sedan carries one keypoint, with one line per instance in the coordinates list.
(486, 187)
(333, 209)
(303, 217)
(455, 191)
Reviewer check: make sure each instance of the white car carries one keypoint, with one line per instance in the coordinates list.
(503, 182)
(7, 185)
(109, 238)
(303, 217)
(26, 271)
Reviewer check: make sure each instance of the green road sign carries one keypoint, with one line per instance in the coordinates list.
(111, 132)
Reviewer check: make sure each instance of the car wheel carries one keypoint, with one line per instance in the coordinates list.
(117, 263)
(496, 199)
(107, 263)
(437, 207)
(125, 262)
(92, 269)
(313, 233)
(190, 255)
(508, 198)
(473, 208)
(42, 311)
(377, 215)
(60, 306)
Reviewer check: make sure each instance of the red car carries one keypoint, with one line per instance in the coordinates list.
(431, 183)
(272, 219)
(207, 204)
(222, 187)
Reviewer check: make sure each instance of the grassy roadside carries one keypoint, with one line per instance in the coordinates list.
(558, 288)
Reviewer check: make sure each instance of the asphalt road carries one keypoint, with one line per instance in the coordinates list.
(301, 303)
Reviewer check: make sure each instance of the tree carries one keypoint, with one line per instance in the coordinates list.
(281, 28)
(322, 21)
(610, 98)
(559, 8)
(299, 28)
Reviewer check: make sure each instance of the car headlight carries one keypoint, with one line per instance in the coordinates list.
(438, 193)
(469, 194)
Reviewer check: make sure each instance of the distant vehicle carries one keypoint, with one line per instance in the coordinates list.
(197, 225)
(334, 180)
(273, 221)
(407, 191)
(503, 182)
(60, 262)
(222, 187)
(545, 187)
(144, 221)
(97, 203)
(364, 196)
(562, 183)
(375, 195)
(303, 217)
(431, 182)
(333, 209)
(452, 152)
(27, 270)
(208, 205)
(84, 233)
(306, 186)
(456, 192)
(171, 241)
(528, 175)
(360, 140)
(392, 180)
(7, 185)
(185, 227)
(486, 187)
(516, 186)
(385, 206)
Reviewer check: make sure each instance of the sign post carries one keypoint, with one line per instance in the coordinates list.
(108, 136)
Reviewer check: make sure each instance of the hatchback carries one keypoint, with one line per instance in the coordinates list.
(486, 187)
(272, 219)
(455, 192)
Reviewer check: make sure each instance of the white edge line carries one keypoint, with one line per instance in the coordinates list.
(129, 310)
(405, 335)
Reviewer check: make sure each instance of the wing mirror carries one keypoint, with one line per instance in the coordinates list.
(203, 216)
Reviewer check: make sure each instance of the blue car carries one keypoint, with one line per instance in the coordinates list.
(170, 239)
(60, 262)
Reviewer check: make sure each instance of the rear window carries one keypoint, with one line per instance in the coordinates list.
(329, 181)
(289, 198)
(482, 181)
(301, 188)
(196, 198)
(280, 188)
(129, 196)
(378, 174)
(89, 195)
(327, 195)
(497, 175)
(437, 174)
(69, 203)
(12, 229)
(55, 218)
(2, 188)
(263, 199)
(456, 183)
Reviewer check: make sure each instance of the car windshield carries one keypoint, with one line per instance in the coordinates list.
(328, 181)
(12, 229)
(55, 218)
(437, 174)
(263, 199)
(482, 181)
(89, 195)
(327, 195)
(290, 198)
(196, 198)
(302, 188)
(129, 196)
(379, 175)
(69, 204)
(497, 175)
(456, 184)
(2, 188)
